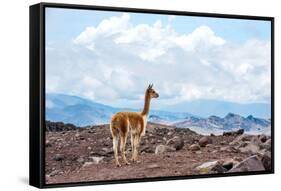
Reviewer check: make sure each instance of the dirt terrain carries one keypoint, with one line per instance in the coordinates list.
(85, 154)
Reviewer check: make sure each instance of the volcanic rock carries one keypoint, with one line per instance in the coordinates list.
(211, 167)
(204, 141)
(176, 142)
(194, 147)
(163, 148)
(249, 164)
(59, 157)
(234, 133)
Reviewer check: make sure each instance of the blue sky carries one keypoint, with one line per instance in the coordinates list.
(66, 24)
(110, 57)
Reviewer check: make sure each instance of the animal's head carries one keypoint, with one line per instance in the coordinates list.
(151, 92)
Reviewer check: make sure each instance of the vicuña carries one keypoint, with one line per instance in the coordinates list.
(123, 123)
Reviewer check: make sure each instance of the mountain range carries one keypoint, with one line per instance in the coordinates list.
(222, 108)
(218, 125)
(82, 112)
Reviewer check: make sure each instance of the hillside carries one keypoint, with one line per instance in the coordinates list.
(83, 112)
(85, 154)
(221, 108)
(230, 122)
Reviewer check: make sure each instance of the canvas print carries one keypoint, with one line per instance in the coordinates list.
(140, 95)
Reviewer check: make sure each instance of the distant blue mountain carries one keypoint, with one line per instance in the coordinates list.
(76, 110)
(83, 112)
(230, 122)
(206, 108)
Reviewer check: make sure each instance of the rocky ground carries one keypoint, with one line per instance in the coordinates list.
(85, 154)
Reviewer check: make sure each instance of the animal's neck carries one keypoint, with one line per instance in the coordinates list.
(145, 110)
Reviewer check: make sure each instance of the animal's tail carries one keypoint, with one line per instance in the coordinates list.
(113, 130)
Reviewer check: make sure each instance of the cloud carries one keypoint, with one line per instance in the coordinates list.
(106, 28)
(113, 62)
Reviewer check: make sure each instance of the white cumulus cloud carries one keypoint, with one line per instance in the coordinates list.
(114, 60)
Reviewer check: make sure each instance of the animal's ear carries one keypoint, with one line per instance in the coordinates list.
(150, 86)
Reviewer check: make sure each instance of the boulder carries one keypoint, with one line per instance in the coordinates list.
(234, 133)
(255, 140)
(59, 157)
(244, 138)
(59, 126)
(241, 140)
(92, 153)
(263, 138)
(229, 149)
(268, 141)
(238, 159)
(59, 140)
(152, 141)
(153, 166)
(105, 151)
(266, 145)
(239, 131)
(204, 141)
(266, 160)
(218, 168)
(210, 146)
(176, 142)
(163, 148)
(250, 148)
(147, 149)
(249, 164)
(91, 131)
(194, 147)
(206, 165)
(48, 143)
(170, 133)
(211, 167)
(86, 164)
(228, 164)
(214, 151)
(80, 160)
(243, 144)
(96, 159)
(55, 172)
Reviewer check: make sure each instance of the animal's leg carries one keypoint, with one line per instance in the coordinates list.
(115, 149)
(136, 143)
(123, 147)
(132, 145)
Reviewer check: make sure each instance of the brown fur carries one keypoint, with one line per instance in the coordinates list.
(121, 121)
(124, 122)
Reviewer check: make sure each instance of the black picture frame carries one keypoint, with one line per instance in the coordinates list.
(37, 92)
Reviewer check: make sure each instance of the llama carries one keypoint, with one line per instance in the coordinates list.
(124, 122)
